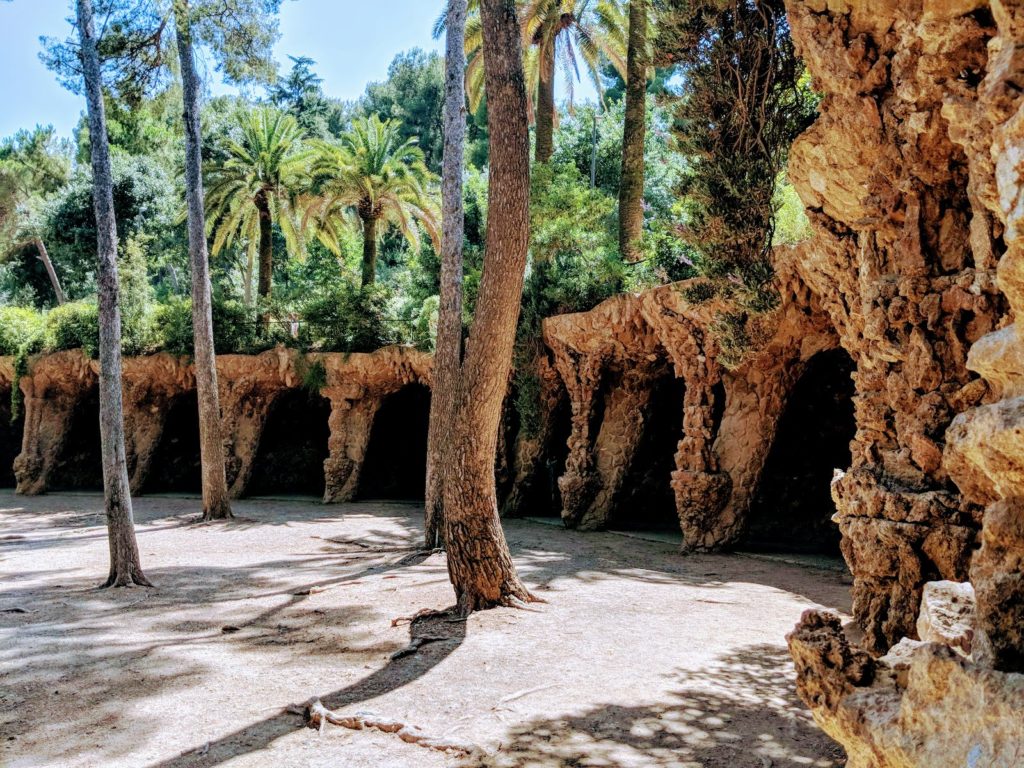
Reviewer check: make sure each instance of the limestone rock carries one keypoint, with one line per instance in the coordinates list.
(947, 615)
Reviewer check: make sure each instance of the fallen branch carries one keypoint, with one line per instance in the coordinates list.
(317, 715)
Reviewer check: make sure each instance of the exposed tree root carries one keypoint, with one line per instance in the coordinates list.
(416, 644)
(426, 613)
(132, 577)
(318, 716)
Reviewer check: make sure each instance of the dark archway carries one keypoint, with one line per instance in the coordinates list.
(542, 497)
(793, 507)
(176, 466)
(647, 501)
(10, 439)
(293, 446)
(79, 466)
(396, 457)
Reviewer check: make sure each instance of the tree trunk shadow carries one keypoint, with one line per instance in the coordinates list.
(399, 671)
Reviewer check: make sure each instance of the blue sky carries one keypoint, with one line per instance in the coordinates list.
(352, 41)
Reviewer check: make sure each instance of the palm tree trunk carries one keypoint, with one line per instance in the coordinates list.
(266, 250)
(479, 562)
(546, 105)
(631, 187)
(369, 251)
(216, 504)
(44, 257)
(448, 350)
(125, 564)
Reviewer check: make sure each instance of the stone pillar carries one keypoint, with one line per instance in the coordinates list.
(52, 390)
(887, 192)
(578, 484)
(985, 452)
(352, 414)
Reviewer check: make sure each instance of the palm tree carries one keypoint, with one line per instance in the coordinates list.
(257, 186)
(377, 178)
(556, 34)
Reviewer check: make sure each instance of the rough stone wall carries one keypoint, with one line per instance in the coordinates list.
(957, 699)
(608, 359)
(356, 384)
(887, 190)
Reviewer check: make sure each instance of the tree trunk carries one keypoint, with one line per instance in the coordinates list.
(125, 565)
(631, 187)
(546, 105)
(216, 504)
(479, 563)
(44, 257)
(448, 350)
(266, 250)
(369, 251)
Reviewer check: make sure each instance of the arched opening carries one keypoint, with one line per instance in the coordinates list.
(542, 497)
(396, 456)
(793, 507)
(78, 466)
(10, 439)
(647, 501)
(293, 446)
(176, 465)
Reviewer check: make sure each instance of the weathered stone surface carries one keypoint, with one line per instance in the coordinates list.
(355, 385)
(920, 706)
(904, 268)
(947, 615)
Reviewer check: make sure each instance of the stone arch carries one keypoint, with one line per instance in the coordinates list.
(395, 465)
(175, 466)
(77, 465)
(792, 507)
(293, 445)
(647, 498)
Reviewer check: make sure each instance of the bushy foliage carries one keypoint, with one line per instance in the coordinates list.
(349, 318)
(18, 326)
(74, 325)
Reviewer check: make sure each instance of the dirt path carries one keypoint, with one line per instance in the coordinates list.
(640, 658)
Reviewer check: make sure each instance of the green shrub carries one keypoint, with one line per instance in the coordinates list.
(74, 325)
(172, 325)
(346, 318)
(18, 327)
(236, 330)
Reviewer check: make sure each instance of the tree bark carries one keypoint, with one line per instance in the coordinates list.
(125, 565)
(369, 251)
(448, 349)
(216, 503)
(545, 144)
(266, 250)
(44, 257)
(631, 187)
(479, 562)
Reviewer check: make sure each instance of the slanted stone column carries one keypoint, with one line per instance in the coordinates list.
(52, 390)
(351, 421)
(150, 385)
(896, 265)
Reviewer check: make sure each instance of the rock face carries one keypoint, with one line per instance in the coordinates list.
(951, 74)
(59, 386)
(610, 359)
(904, 266)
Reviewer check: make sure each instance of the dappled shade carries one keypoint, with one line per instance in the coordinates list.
(293, 446)
(793, 507)
(396, 458)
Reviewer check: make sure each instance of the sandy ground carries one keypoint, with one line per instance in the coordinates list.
(640, 657)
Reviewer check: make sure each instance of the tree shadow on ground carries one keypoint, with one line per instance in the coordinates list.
(738, 713)
(394, 675)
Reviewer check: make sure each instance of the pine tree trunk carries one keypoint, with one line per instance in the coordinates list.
(266, 249)
(479, 563)
(369, 251)
(448, 350)
(631, 187)
(216, 504)
(125, 565)
(546, 105)
(44, 256)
